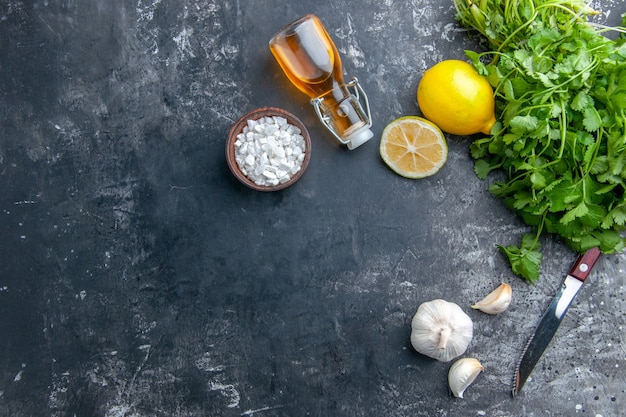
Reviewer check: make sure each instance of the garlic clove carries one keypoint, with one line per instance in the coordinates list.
(461, 375)
(496, 301)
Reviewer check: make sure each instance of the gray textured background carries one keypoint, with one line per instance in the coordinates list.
(139, 278)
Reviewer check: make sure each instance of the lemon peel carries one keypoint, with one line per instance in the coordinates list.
(456, 98)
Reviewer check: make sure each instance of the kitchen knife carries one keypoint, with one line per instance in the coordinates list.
(552, 318)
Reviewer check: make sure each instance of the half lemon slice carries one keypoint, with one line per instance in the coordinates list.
(413, 147)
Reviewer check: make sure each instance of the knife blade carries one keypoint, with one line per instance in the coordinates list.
(553, 316)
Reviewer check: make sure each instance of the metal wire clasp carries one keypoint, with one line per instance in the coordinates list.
(357, 92)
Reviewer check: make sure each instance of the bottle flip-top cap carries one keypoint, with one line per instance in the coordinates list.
(359, 137)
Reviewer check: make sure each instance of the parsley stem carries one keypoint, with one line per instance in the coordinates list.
(519, 29)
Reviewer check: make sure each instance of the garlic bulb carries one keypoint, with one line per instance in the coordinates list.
(462, 373)
(441, 330)
(496, 301)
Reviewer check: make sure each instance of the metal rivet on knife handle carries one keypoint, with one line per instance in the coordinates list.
(582, 267)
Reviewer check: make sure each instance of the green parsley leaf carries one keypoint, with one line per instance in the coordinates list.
(525, 259)
(592, 119)
(482, 168)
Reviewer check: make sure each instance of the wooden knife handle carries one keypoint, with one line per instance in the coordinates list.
(582, 267)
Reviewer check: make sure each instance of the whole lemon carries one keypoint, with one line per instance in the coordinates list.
(456, 98)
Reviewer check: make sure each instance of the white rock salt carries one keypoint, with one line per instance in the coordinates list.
(269, 151)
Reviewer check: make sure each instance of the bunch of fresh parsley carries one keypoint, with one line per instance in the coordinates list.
(560, 89)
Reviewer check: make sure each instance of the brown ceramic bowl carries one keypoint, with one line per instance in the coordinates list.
(238, 127)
